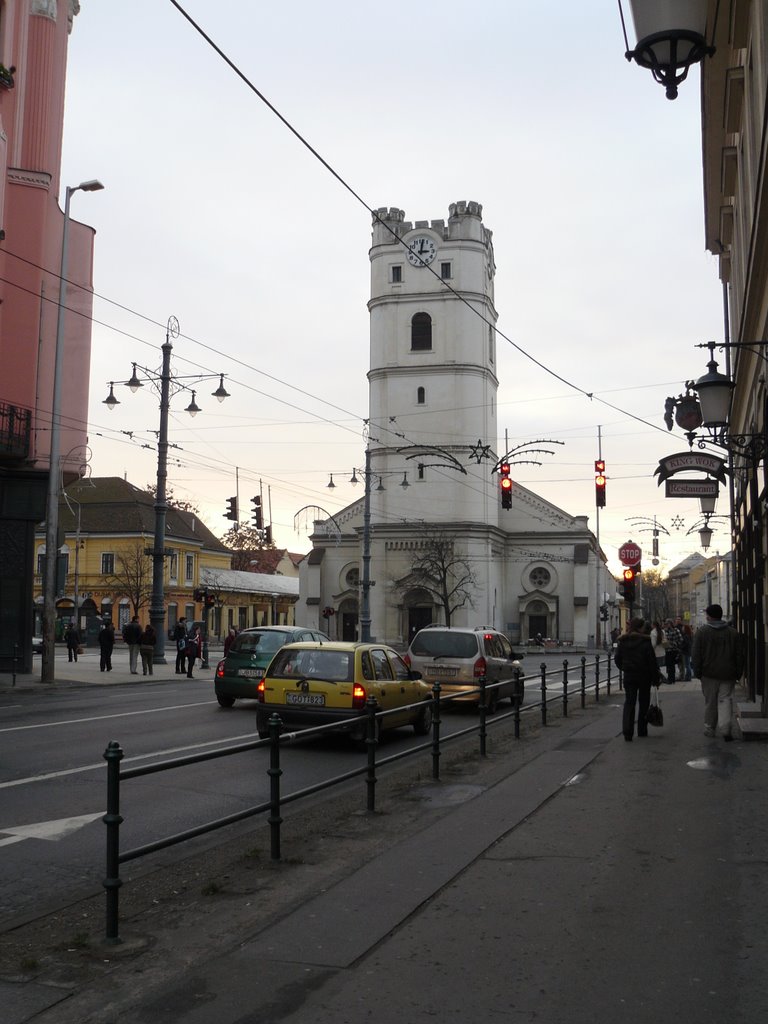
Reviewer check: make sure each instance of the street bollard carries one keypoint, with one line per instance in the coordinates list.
(543, 670)
(597, 679)
(274, 772)
(518, 702)
(436, 731)
(608, 680)
(483, 714)
(113, 755)
(565, 688)
(371, 742)
(583, 681)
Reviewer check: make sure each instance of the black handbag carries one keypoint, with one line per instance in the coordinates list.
(655, 715)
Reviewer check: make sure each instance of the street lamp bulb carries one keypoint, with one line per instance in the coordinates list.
(353, 479)
(94, 185)
(134, 383)
(405, 481)
(381, 486)
(193, 408)
(330, 483)
(221, 392)
(110, 401)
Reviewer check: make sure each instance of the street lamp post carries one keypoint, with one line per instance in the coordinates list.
(163, 382)
(47, 673)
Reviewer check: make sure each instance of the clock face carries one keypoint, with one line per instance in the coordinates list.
(421, 250)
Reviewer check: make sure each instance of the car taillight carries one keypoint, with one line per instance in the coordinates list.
(260, 690)
(480, 667)
(407, 660)
(358, 696)
(220, 670)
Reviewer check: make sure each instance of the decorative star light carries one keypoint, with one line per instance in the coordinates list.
(480, 451)
(677, 523)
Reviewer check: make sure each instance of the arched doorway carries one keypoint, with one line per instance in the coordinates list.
(418, 612)
(347, 616)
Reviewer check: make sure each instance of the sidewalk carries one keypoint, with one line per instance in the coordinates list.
(85, 671)
(598, 881)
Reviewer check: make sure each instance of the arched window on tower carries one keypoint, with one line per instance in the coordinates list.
(421, 332)
(421, 396)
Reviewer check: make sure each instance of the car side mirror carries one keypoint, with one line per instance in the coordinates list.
(516, 657)
(413, 674)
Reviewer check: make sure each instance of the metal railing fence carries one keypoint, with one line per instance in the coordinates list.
(278, 738)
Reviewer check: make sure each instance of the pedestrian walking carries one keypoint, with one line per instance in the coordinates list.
(673, 642)
(719, 662)
(72, 638)
(106, 643)
(194, 650)
(686, 651)
(228, 639)
(132, 636)
(180, 639)
(634, 656)
(147, 641)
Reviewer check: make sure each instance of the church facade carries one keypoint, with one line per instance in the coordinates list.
(431, 478)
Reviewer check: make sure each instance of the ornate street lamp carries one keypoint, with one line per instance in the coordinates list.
(670, 38)
(164, 382)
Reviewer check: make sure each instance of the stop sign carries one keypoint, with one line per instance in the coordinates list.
(630, 553)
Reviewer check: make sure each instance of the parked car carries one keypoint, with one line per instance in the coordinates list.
(37, 645)
(310, 684)
(458, 657)
(238, 674)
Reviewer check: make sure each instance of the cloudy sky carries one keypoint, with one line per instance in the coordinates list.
(215, 212)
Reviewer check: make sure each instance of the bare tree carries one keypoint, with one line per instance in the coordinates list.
(443, 573)
(245, 542)
(655, 596)
(173, 502)
(132, 576)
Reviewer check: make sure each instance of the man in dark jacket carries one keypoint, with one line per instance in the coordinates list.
(180, 639)
(132, 635)
(635, 657)
(719, 662)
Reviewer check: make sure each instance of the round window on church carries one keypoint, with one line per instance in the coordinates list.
(540, 577)
(352, 578)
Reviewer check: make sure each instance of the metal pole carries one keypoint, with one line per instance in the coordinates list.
(52, 509)
(365, 583)
(113, 755)
(157, 604)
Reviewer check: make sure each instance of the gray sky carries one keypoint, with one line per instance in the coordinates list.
(213, 212)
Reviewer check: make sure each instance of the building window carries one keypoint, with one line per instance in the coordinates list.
(189, 614)
(106, 610)
(189, 568)
(397, 274)
(540, 577)
(445, 271)
(421, 332)
(421, 470)
(64, 561)
(242, 618)
(491, 344)
(421, 396)
(40, 561)
(173, 566)
(107, 563)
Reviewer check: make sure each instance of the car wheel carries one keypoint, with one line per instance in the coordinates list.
(262, 727)
(423, 724)
(225, 702)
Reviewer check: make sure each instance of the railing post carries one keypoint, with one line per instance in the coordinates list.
(483, 713)
(608, 681)
(583, 681)
(518, 702)
(597, 678)
(113, 755)
(15, 661)
(436, 731)
(565, 688)
(371, 743)
(274, 772)
(543, 670)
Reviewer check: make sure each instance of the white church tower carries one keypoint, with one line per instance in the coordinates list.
(432, 374)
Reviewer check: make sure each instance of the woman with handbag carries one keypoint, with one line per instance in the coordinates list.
(635, 657)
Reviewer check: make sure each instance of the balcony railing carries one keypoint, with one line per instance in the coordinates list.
(15, 431)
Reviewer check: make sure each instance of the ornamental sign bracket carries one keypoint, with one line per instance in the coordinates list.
(682, 462)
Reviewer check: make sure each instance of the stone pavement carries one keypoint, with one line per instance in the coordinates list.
(599, 880)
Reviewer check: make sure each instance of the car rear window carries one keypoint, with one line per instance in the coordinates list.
(333, 666)
(432, 643)
(265, 643)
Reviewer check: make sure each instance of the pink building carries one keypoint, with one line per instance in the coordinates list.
(34, 36)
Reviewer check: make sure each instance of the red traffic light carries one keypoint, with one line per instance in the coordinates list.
(599, 465)
(504, 469)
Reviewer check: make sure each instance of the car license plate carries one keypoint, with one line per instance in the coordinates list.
(315, 699)
(444, 670)
(250, 673)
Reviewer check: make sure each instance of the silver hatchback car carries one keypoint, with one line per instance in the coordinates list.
(458, 657)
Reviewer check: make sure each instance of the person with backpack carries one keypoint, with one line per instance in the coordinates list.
(180, 640)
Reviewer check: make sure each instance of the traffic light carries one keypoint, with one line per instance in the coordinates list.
(199, 595)
(210, 600)
(603, 612)
(232, 510)
(505, 483)
(268, 535)
(258, 519)
(599, 483)
(628, 586)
